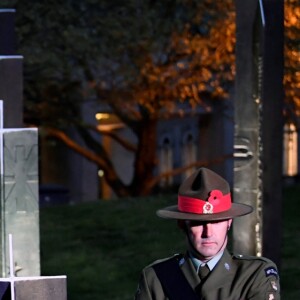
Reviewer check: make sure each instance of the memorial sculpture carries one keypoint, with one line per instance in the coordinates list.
(20, 261)
(19, 204)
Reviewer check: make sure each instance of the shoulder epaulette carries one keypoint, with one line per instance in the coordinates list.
(250, 257)
(177, 256)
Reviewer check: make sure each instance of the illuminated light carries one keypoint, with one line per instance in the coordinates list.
(100, 173)
(290, 159)
(102, 116)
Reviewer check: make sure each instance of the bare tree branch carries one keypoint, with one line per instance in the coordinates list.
(126, 144)
(178, 171)
(51, 132)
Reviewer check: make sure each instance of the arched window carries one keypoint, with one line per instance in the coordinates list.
(290, 151)
(166, 161)
(188, 153)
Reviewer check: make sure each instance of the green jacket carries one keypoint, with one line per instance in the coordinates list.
(235, 277)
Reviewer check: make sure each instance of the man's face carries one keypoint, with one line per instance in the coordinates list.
(207, 238)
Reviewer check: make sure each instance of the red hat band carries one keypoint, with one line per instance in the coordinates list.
(217, 202)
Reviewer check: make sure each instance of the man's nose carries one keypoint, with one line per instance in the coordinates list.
(207, 230)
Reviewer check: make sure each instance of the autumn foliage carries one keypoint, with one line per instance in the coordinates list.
(145, 60)
(292, 59)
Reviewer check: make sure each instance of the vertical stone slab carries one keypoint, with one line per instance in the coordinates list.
(11, 90)
(34, 288)
(19, 200)
(11, 71)
(41, 288)
(247, 179)
(259, 126)
(7, 31)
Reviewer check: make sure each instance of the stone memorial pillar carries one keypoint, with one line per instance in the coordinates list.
(18, 161)
(20, 263)
(19, 198)
(247, 231)
(259, 126)
(31, 288)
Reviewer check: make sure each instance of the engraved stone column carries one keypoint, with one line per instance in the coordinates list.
(19, 199)
(18, 161)
(20, 209)
(247, 179)
(259, 124)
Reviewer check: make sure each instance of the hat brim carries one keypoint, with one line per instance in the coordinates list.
(236, 210)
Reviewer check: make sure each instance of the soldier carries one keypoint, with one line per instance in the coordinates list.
(207, 270)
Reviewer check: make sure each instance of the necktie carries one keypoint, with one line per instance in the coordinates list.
(203, 271)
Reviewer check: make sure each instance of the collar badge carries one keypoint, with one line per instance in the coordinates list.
(181, 261)
(227, 267)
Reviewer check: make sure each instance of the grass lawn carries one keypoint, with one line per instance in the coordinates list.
(102, 246)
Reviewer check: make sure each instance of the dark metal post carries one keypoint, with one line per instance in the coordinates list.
(272, 128)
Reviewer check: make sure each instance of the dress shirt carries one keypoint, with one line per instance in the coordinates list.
(211, 263)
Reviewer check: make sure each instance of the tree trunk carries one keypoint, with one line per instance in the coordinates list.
(146, 161)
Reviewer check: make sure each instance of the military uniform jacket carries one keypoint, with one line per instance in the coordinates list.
(235, 277)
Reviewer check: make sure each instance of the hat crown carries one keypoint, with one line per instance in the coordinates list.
(201, 183)
(204, 196)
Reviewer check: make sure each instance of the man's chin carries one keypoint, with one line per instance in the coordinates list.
(207, 252)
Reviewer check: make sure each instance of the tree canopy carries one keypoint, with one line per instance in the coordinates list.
(292, 60)
(141, 58)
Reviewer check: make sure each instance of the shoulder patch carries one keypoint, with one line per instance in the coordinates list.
(271, 271)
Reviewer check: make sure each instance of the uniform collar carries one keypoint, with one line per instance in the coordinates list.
(211, 263)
